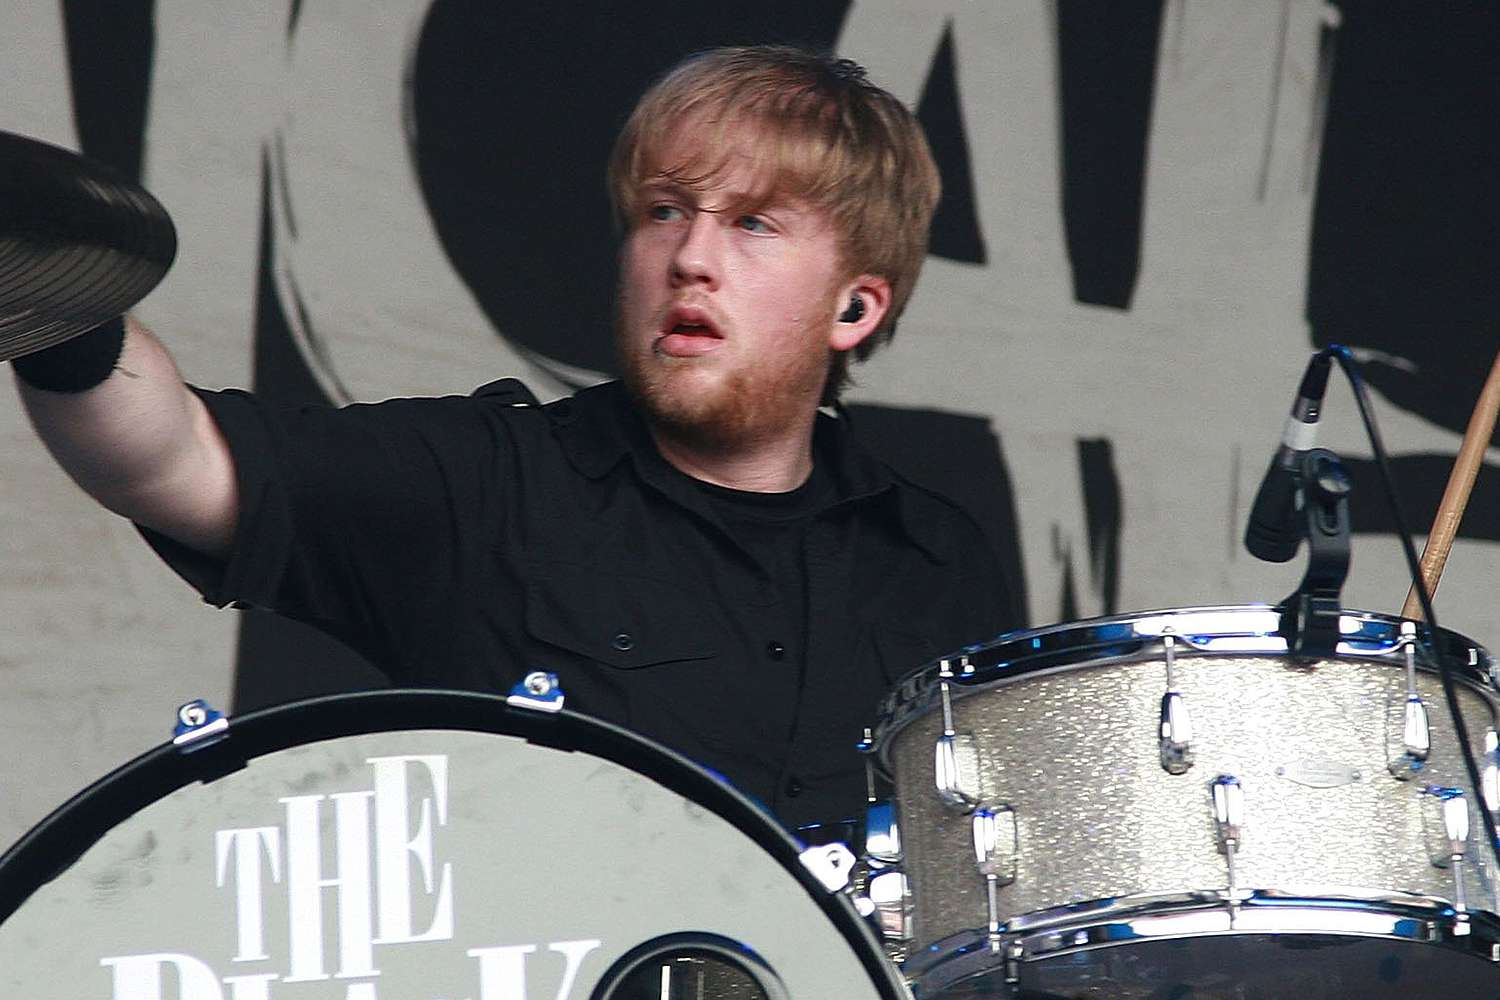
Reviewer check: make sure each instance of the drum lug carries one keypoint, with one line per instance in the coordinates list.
(538, 691)
(1489, 776)
(954, 761)
(888, 895)
(1176, 734)
(1416, 730)
(198, 725)
(951, 775)
(1229, 822)
(1176, 725)
(995, 850)
(882, 834)
(996, 842)
(1456, 831)
(1416, 733)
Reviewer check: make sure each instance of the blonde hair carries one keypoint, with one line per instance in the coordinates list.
(823, 134)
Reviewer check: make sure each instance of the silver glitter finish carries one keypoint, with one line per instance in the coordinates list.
(1074, 750)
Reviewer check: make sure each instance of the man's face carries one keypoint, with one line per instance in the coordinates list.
(726, 313)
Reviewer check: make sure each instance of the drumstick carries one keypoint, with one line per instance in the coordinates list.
(1456, 496)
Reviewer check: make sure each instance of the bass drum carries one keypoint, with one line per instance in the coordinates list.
(1170, 804)
(422, 846)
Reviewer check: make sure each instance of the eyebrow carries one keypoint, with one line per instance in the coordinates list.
(732, 201)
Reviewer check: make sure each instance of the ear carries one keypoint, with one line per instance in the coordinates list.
(874, 293)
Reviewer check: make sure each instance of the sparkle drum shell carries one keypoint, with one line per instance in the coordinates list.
(421, 845)
(1108, 863)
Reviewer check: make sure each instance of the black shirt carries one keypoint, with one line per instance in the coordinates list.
(463, 541)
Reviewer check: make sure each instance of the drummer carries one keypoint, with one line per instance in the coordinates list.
(699, 551)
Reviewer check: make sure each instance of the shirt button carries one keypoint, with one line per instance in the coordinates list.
(793, 787)
(775, 650)
(624, 642)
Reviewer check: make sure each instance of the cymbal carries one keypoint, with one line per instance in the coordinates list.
(79, 244)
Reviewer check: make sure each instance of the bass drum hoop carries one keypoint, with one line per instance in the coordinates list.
(67, 832)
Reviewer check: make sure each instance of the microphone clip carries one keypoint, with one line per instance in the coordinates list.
(1310, 615)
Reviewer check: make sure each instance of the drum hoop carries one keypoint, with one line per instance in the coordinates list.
(1112, 639)
(61, 838)
(1121, 922)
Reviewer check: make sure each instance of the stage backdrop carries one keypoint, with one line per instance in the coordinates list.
(1153, 213)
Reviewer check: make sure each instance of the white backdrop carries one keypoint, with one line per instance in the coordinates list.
(100, 642)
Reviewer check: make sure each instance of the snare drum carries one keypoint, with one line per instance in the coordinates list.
(416, 846)
(1169, 805)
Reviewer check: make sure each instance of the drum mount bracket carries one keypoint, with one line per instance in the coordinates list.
(1310, 616)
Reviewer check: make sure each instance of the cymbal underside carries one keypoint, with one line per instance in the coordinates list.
(79, 244)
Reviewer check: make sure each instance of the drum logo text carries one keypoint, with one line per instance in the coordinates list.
(382, 847)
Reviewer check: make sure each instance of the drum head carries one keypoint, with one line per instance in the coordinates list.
(421, 845)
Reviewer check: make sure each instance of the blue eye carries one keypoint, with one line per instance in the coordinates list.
(753, 224)
(664, 213)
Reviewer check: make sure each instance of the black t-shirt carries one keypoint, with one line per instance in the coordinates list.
(773, 527)
(461, 542)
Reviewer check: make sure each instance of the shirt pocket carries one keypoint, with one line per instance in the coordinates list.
(621, 620)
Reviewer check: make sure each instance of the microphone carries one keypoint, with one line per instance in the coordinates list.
(1273, 531)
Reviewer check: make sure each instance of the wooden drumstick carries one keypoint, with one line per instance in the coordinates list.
(1456, 496)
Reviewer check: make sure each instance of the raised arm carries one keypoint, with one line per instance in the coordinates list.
(143, 445)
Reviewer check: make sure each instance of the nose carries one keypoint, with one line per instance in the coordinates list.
(697, 257)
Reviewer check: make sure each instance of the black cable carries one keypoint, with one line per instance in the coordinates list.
(1445, 670)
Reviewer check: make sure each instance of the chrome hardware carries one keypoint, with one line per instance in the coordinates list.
(1176, 725)
(1119, 922)
(1176, 734)
(830, 864)
(1416, 730)
(1416, 734)
(1456, 830)
(996, 842)
(1229, 808)
(1229, 822)
(1456, 824)
(952, 780)
(955, 764)
(1013, 956)
(538, 691)
(995, 856)
(890, 896)
(1416, 739)
(1228, 630)
(866, 746)
(198, 725)
(945, 692)
(1489, 775)
(882, 834)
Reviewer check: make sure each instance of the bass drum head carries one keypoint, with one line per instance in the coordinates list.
(416, 846)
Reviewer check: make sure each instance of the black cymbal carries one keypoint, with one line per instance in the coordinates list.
(79, 244)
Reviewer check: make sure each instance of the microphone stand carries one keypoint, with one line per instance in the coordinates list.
(1310, 615)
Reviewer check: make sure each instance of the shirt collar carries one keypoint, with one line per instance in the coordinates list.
(600, 426)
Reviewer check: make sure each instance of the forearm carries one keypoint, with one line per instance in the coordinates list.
(144, 446)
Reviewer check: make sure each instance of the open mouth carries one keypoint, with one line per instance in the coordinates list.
(687, 331)
(690, 321)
